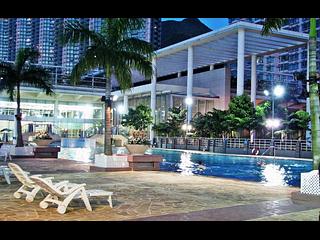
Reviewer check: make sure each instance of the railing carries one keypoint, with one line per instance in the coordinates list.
(293, 148)
(60, 76)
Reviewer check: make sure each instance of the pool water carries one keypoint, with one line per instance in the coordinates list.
(269, 171)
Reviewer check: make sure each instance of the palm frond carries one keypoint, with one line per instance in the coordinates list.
(137, 61)
(137, 46)
(38, 77)
(8, 79)
(94, 57)
(75, 32)
(124, 76)
(272, 24)
(24, 55)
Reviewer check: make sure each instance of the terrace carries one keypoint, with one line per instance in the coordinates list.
(160, 196)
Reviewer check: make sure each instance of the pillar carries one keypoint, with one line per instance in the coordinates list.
(240, 62)
(253, 79)
(190, 82)
(253, 88)
(125, 104)
(153, 95)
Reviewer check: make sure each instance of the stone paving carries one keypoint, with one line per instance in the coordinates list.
(138, 195)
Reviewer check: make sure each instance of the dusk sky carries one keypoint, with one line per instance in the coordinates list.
(213, 23)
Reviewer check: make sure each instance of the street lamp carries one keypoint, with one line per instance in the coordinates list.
(188, 101)
(186, 127)
(119, 111)
(277, 91)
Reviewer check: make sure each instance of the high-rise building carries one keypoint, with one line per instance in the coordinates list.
(43, 33)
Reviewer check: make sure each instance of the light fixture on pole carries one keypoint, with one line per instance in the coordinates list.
(120, 109)
(277, 91)
(188, 101)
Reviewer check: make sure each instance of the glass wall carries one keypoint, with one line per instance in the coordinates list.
(68, 119)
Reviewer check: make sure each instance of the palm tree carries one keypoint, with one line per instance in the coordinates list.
(22, 71)
(113, 50)
(275, 24)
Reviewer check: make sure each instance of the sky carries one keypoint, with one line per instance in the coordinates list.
(213, 23)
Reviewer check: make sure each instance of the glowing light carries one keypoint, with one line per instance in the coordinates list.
(120, 109)
(278, 91)
(189, 101)
(186, 127)
(266, 92)
(273, 123)
(115, 98)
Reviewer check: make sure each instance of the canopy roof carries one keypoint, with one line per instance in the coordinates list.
(221, 46)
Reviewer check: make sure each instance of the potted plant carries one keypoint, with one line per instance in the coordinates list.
(138, 120)
(42, 138)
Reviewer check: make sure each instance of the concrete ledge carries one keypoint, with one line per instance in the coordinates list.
(108, 169)
(145, 162)
(46, 152)
(305, 198)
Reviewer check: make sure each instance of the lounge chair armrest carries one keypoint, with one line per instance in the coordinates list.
(75, 187)
(61, 184)
(36, 175)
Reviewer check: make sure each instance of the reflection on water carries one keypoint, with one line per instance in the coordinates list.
(271, 172)
(185, 165)
(273, 175)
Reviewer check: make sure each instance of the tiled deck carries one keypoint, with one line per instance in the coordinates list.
(159, 195)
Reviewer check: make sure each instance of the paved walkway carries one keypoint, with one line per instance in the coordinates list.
(151, 196)
(237, 213)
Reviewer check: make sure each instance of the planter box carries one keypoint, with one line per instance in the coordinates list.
(144, 162)
(137, 148)
(46, 152)
(43, 142)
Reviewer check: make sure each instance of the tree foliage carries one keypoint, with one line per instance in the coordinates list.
(172, 126)
(23, 71)
(138, 119)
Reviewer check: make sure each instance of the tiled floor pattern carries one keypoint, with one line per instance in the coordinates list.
(139, 195)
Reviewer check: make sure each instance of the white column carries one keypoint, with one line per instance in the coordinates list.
(253, 79)
(240, 63)
(125, 103)
(153, 95)
(253, 88)
(190, 81)
(308, 133)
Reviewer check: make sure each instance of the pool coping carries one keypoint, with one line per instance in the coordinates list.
(237, 155)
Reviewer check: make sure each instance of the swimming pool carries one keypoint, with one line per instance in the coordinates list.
(269, 171)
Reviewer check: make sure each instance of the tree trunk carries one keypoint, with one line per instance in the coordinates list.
(18, 116)
(107, 129)
(313, 94)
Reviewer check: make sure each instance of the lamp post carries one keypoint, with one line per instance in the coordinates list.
(189, 101)
(277, 91)
(120, 111)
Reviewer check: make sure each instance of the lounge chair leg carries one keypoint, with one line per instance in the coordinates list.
(19, 192)
(86, 200)
(30, 197)
(110, 201)
(63, 205)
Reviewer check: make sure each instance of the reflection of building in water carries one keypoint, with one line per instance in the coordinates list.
(185, 165)
(273, 175)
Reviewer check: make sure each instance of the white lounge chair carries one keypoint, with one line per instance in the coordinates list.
(62, 194)
(28, 186)
(5, 151)
(5, 172)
